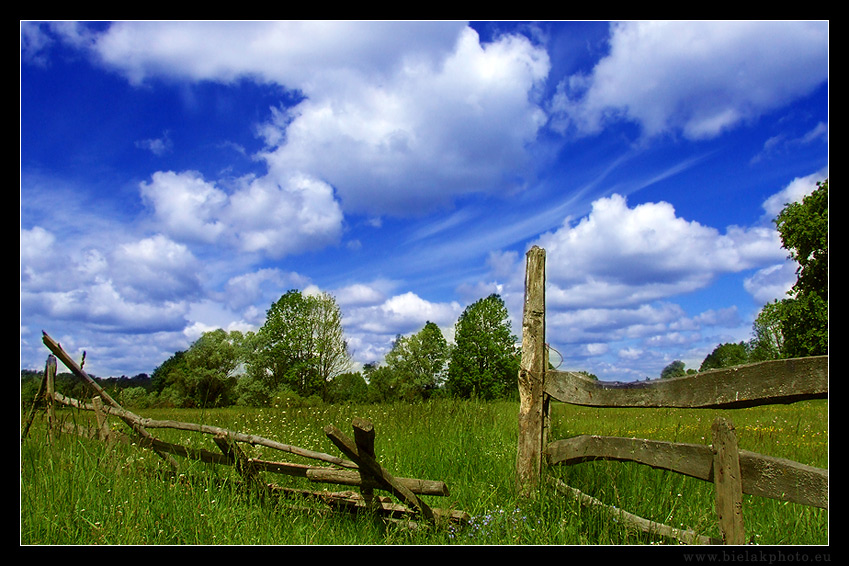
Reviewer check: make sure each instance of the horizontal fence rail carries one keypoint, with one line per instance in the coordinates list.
(362, 470)
(763, 383)
(731, 470)
(765, 476)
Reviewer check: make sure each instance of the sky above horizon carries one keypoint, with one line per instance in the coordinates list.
(178, 177)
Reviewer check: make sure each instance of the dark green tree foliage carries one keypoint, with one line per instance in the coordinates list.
(417, 363)
(485, 360)
(203, 375)
(301, 345)
(381, 383)
(212, 361)
(348, 387)
(804, 231)
(768, 339)
(674, 369)
(162, 376)
(798, 325)
(726, 355)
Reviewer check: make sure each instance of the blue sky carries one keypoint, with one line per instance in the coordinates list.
(178, 177)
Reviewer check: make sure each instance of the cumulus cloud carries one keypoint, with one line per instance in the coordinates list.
(795, 191)
(619, 255)
(274, 218)
(135, 285)
(396, 116)
(427, 133)
(696, 79)
(372, 319)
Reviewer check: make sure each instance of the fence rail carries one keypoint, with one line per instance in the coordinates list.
(763, 383)
(732, 471)
(362, 470)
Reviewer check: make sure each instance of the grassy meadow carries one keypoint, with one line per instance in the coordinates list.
(77, 491)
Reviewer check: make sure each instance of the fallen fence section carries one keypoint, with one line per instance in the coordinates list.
(362, 470)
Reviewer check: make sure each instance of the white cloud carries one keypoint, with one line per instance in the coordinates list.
(795, 191)
(186, 206)
(372, 328)
(156, 269)
(261, 287)
(296, 214)
(427, 133)
(396, 116)
(157, 146)
(297, 54)
(771, 283)
(695, 78)
(624, 256)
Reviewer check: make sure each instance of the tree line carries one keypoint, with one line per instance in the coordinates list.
(300, 356)
(797, 325)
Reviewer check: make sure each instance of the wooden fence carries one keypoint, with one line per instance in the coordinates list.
(732, 471)
(361, 470)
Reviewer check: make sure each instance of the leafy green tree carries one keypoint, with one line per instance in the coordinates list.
(767, 342)
(301, 345)
(726, 355)
(212, 361)
(484, 362)
(348, 387)
(381, 383)
(804, 232)
(418, 362)
(168, 372)
(798, 325)
(673, 369)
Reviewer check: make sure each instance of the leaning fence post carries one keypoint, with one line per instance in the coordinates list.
(728, 482)
(531, 374)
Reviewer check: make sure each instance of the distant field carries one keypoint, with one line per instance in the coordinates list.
(81, 491)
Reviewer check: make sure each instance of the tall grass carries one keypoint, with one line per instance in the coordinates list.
(80, 491)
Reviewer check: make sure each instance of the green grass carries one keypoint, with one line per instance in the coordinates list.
(80, 491)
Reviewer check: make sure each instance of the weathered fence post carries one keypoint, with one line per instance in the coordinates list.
(364, 439)
(102, 425)
(50, 388)
(532, 374)
(728, 482)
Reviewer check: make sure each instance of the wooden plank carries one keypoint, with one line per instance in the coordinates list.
(130, 419)
(728, 482)
(213, 430)
(102, 424)
(531, 375)
(364, 439)
(693, 460)
(764, 476)
(380, 475)
(776, 381)
(348, 477)
(631, 520)
(40, 395)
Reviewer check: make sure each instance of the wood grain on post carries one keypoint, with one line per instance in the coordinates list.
(69, 362)
(531, 375)
(50, 387)
(102, 424)
(383, 478)
(728, 483)
(364, 439)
